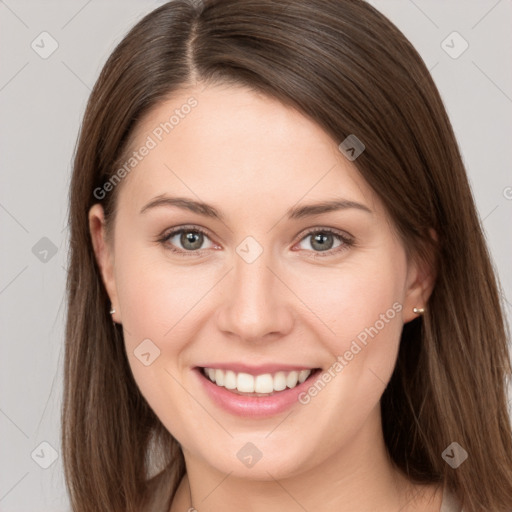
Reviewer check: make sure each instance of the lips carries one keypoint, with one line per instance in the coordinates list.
(254, 392)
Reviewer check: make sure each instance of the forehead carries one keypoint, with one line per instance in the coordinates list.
(232, 146)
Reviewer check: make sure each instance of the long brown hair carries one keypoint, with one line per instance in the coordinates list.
(349, 69)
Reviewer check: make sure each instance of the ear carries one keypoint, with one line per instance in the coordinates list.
(104, 252)
(421, 279)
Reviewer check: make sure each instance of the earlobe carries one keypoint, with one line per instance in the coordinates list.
(420, 283)
(103, 252)
(417, 295)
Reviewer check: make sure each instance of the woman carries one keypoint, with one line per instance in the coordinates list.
(280, 297)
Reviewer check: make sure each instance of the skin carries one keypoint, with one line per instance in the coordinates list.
(253, 158)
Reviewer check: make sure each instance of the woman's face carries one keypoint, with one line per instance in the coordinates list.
(274, 287)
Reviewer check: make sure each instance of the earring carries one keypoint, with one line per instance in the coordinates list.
(112, 310)
(418, 311)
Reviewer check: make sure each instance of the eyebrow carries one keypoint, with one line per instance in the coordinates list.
(297, 212)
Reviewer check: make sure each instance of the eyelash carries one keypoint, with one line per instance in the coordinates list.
(347, 242)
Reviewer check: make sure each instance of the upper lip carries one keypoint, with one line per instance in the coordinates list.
(256, 369)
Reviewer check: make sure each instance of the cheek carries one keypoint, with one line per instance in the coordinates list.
(163, 308)
(358, 311)
(362, 295)
(155, 296)
(158, 316)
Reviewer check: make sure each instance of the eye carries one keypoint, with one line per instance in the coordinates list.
(186, 239)
(326, 241)
(189, 241)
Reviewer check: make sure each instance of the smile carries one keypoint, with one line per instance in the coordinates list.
(256, 385)
(254, 392)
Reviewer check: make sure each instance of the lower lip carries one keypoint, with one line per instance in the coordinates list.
(251, 406)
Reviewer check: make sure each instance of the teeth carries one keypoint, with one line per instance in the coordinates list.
(219, 377)
(291, 379)
(244, 382)
(230, 380)
(262, 384)
(303, 375)
(279, 381)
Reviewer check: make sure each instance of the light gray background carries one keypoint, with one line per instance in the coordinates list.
(41, 105)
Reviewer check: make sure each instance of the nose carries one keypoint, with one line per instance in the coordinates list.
(256, 304)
